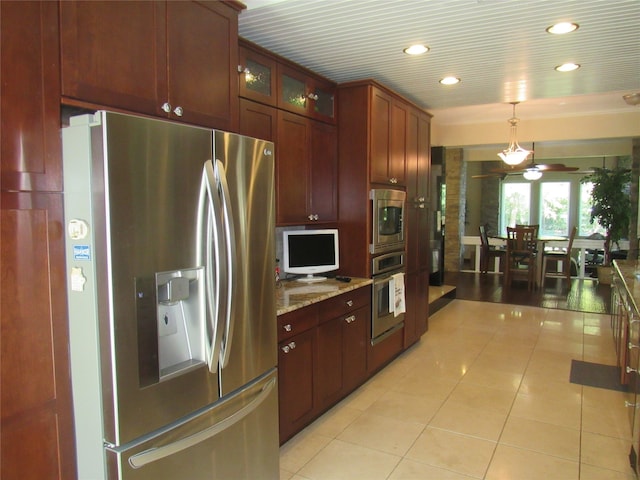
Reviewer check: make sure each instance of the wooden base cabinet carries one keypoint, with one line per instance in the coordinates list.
(322, 357)
(417, 301)
(342, 355)
(296, 372)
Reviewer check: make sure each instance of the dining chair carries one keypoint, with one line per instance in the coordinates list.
(488, 252)
(536, 227)
(521, 254)
(563, 256)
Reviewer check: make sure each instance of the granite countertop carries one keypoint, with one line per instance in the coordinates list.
(629, 272)
(292, 295)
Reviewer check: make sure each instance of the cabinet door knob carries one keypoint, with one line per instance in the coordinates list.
(244, 70)
(393, 180)
(178, 111)
(166, 107)
(313, 96)
(286, 349)
(313, 216)
(629, 370)
(287, 327)
(292, 345)
(631, 345)
(627, 403)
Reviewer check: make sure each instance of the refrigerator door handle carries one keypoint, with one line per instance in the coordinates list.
(209, 218)
(157, 453)
(232, 263)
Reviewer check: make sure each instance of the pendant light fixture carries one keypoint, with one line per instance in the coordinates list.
(514, 154)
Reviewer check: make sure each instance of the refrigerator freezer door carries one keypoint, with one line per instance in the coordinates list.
(221, 442)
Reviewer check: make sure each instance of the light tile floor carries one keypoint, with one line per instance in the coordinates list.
(485, 394)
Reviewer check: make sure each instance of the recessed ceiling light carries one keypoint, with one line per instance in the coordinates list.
(449, 80)
(562, 28)
(416, 50)
(567, 67)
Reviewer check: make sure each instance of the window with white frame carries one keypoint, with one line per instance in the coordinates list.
(515, 204)
(585, 227)
(555, 201)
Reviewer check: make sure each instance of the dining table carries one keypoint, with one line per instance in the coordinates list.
(541, 241)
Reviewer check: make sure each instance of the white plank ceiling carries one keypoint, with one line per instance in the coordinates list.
(499, 48)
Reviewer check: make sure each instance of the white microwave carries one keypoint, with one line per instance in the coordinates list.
(388, 232)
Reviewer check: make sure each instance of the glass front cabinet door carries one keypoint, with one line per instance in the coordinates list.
(305, 95)
(257, 77)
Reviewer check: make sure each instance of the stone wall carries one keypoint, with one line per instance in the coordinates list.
(490, 203)
(456, 182)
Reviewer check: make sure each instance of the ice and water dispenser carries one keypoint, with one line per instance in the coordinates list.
(171, 324)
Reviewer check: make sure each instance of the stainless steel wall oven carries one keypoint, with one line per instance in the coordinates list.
(384, 321)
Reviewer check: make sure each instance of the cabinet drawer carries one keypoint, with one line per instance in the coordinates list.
(347, 302)
(296, 322)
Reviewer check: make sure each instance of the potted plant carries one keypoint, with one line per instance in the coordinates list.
(611, 205)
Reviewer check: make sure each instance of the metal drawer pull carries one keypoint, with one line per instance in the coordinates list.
(292, 345)
(287, 327)
(631, 345)
(350, 319)
(629, 370)
(349, 303)
(286, 349)
(631, 404)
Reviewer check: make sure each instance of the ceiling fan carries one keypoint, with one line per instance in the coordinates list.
(530, 171)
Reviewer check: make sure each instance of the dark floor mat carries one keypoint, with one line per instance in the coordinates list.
(596, 375)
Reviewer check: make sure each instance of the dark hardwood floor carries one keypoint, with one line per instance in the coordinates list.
(583, 296)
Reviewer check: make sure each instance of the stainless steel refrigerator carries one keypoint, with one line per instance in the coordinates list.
(171, 257)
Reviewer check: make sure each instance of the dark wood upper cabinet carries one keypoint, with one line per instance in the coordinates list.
(257, 74)
(30, 102)
(202, 39)
(169, 59)
(258, 120)
(306, 171)
(114, 55)
(323, 155)
(292, 169)
(302, 93)
(388, 138)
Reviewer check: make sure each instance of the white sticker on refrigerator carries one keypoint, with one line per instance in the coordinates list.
(78, 279)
